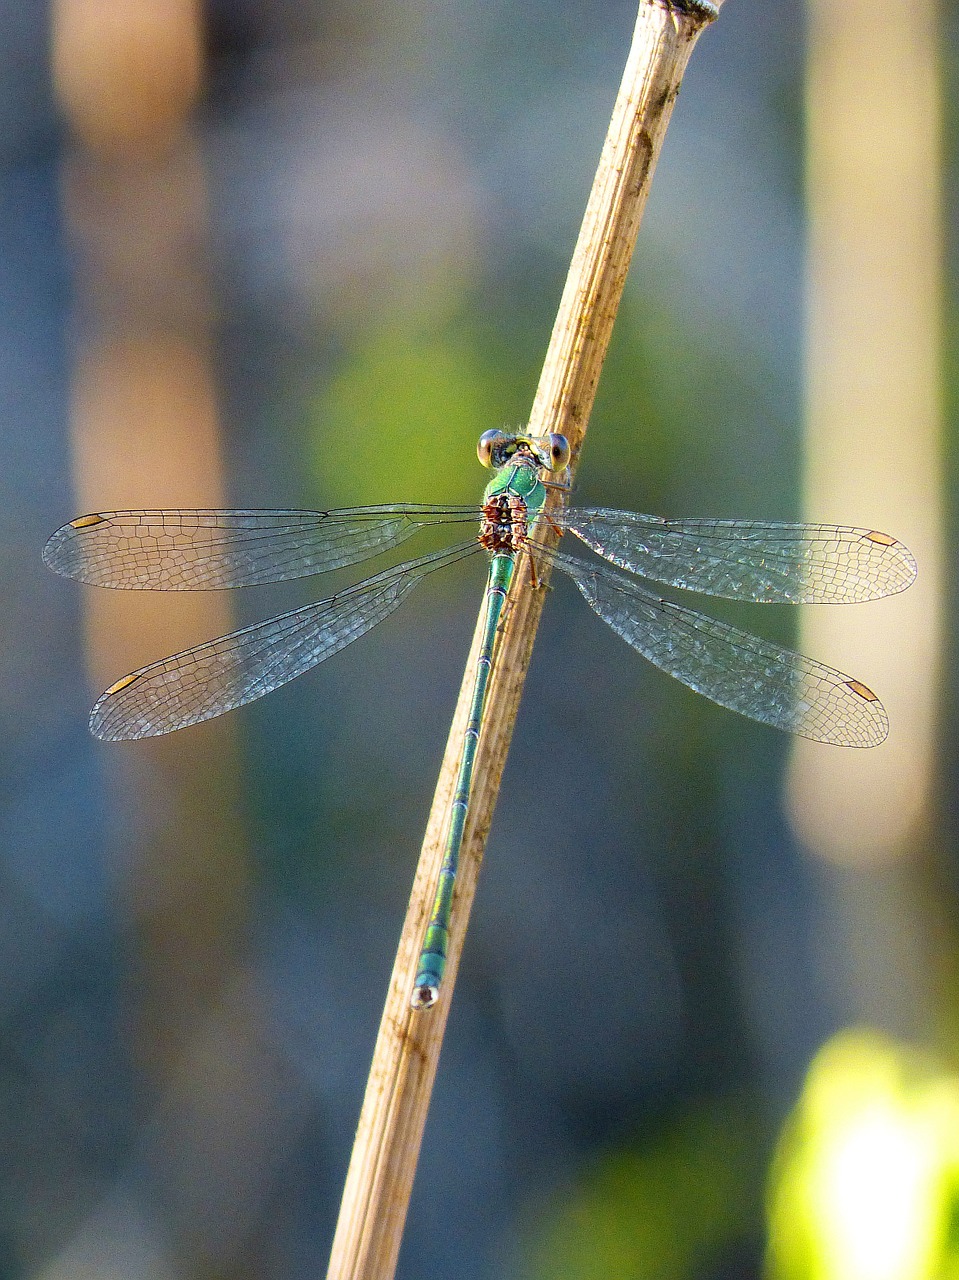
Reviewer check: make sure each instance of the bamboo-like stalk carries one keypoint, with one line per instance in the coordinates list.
(383, 1164)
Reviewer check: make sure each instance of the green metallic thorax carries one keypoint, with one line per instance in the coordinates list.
(520, 478)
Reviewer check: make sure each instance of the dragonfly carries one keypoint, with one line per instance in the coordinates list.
(757, 561)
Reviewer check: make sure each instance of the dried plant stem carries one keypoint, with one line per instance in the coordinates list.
(390, 1129)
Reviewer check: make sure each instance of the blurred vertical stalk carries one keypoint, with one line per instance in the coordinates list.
(390, 1129)
(873, 450)
(145, 432)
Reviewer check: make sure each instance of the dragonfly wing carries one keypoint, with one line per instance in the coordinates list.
(222, 674)
(749, 559)
(206, 550)
(754, 677)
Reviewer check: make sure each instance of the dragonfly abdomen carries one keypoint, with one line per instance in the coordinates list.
(432, 962)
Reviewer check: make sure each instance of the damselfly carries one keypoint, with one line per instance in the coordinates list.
(742, 560)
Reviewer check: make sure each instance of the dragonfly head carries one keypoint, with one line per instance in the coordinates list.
(496, 449)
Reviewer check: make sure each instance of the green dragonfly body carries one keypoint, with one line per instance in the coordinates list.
(763, 562)
(513, 501)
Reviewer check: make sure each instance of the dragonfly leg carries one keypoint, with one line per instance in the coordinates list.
(536, 581)
(565, 482)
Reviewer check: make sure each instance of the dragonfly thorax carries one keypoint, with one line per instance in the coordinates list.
(505, 527)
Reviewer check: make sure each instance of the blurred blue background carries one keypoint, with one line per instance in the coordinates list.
(266, 253)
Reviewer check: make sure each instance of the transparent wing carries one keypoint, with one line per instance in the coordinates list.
(204, 550)
(748, 559)
(752, 676)
(211, 678)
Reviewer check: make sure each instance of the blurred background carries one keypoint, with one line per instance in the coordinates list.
(277, 253)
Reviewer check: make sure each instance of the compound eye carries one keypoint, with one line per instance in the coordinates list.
(558, 453)
(487, 443)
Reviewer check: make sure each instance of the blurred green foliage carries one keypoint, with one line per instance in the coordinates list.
(866, 1180)
(665, 1209)
(400, 419)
